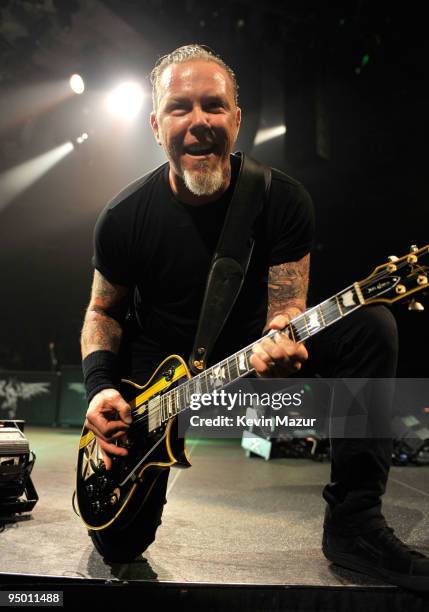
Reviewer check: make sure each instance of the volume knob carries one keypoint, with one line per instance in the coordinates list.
(90, 490)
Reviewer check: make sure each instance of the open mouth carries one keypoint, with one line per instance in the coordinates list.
(199, 150)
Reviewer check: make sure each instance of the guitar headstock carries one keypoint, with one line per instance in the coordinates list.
(398, 279)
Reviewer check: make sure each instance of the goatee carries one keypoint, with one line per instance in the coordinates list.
(202, 181)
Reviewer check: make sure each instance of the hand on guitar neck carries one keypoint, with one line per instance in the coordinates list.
(277, 355)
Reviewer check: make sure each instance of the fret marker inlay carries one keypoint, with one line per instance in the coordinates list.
(242, 362)
(313, 322)
(348, 299)
(218, 375)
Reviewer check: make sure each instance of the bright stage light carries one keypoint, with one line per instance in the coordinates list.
(269, 133)
(80, 139)
(16, 180)
(126, 100)
(77, 84)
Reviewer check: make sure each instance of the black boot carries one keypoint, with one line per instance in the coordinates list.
(380, 554)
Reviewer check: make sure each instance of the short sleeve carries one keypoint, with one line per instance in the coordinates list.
(111, 257)
(291, 223)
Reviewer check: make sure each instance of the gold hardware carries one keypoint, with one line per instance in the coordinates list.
(422, 279)
(416, 306)
(412, 259)
(393, 258)
(414, 248)
(400, 289)
(391, 267)
(199, 364)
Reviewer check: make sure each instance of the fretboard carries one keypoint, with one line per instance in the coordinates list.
(238, 365)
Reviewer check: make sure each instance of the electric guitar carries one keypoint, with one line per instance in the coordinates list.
(111, 499)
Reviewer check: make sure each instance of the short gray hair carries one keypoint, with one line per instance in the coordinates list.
(187, 53)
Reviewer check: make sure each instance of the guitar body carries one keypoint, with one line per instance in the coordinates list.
(112, 500)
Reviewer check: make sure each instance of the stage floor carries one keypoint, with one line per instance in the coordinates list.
(229, 519)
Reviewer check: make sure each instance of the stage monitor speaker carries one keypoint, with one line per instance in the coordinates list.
(17, 492)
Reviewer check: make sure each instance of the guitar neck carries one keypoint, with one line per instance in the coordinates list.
(238, 365)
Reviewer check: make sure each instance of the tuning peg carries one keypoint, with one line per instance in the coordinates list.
(416, 306)
(391, 267)
(414, 248)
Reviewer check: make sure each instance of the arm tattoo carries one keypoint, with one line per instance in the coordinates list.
(287, 287)
(101, 329)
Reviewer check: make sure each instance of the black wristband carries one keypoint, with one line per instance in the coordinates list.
(100, 371)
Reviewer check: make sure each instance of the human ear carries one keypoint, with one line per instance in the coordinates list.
(155, 127)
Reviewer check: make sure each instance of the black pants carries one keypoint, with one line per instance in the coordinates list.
(362, 345)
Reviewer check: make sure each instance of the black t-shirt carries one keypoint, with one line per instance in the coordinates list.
(147, 239)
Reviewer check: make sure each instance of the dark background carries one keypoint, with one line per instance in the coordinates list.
(349, 82)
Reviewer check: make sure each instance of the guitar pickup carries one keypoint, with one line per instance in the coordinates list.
(154, 413)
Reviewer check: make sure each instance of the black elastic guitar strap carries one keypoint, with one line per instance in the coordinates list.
(231, 257)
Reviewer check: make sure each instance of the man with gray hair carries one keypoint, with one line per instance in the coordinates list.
(154, 243)
(205, 168)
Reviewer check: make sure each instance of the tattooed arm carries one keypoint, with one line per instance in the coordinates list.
(101, 330)
(287, 288)
(108, 414)
(287, 293)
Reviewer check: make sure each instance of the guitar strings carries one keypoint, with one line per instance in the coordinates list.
(182, 390)
(228, 363)
(302, 330)
(158, 412)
